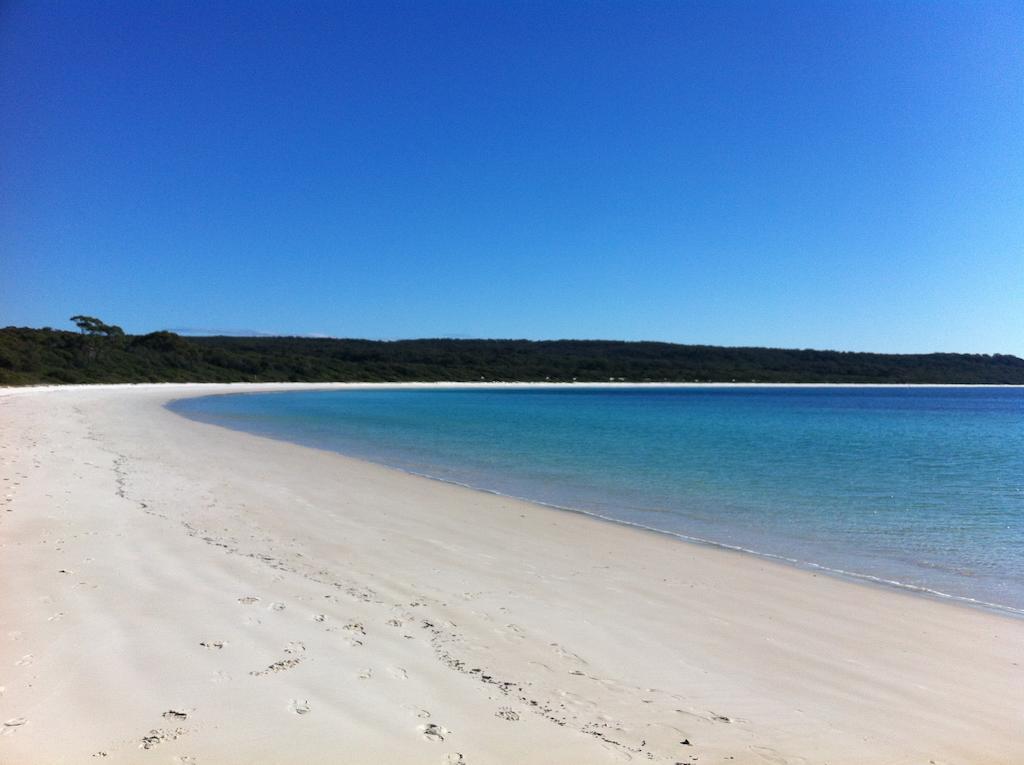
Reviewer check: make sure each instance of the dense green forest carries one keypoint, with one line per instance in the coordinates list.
(103, 353)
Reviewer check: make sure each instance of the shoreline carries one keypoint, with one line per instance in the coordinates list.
(9, 389)
(866, 579)
(116, 501)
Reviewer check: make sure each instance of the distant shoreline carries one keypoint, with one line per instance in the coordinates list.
(243, 387)
(105, 354)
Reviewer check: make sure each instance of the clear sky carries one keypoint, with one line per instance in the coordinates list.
(813, 174)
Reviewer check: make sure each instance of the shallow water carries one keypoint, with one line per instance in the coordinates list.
(923, 487)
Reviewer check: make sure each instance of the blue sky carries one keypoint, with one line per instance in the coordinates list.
(828, 175)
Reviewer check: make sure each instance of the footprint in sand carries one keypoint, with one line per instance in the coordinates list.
(365, 674)
(158, 736)
(56, 617)
(175, 714)
(433, 732)
(213, 644)
(10, 726)
(422, 714)
(398, 673)
(248, 600)
(295, 646)
(277, 666)
(454, 758)
(352, 629)
(276, 606)
(25, 660)
(565, 653)
(298, 707)
(507, 713)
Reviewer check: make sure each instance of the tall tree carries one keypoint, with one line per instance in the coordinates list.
(90, 325)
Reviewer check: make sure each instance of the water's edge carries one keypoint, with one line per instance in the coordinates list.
(804, 565)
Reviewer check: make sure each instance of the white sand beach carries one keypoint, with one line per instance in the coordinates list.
(175, 592)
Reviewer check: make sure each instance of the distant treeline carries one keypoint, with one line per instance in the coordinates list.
(102, 353)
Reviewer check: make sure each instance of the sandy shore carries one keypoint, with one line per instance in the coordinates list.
(175, 592)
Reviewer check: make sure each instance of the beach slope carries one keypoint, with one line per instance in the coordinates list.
(175, 592)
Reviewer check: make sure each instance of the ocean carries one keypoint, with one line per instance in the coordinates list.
(919, 488)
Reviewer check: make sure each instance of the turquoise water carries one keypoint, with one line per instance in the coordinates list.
(920, 487)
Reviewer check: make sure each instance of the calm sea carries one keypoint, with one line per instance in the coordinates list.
(917, 487)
